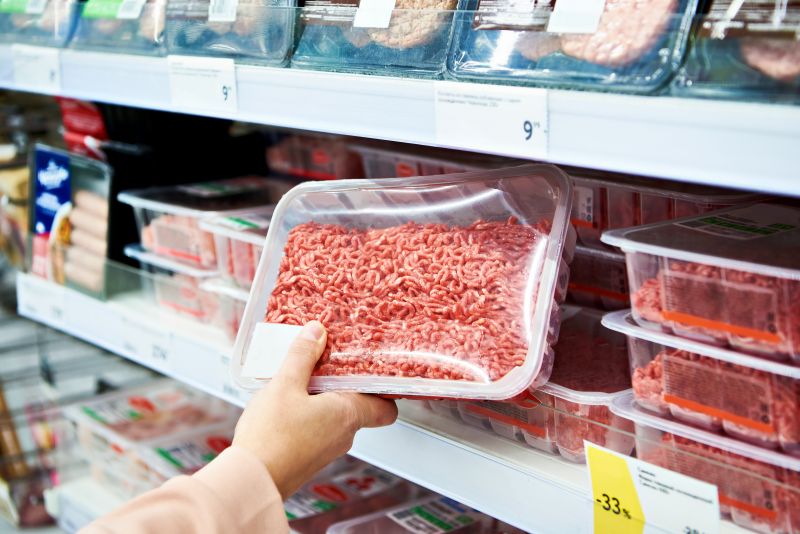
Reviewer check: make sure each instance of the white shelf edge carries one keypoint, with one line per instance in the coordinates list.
(733, 144)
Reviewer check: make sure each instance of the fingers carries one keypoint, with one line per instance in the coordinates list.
(371, 411)
(303, 354)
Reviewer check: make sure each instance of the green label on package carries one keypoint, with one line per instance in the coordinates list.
(13, 6)
(113, 9)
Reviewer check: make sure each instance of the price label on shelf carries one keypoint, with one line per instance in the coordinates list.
(145, 343)
(37, 68)
(39, 300)
(504, 120)
(635, 497)
(201, 83)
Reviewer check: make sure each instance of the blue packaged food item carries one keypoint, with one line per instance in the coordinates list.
(745, 49)
(413, 41)
(630, 46)
(129, 26)
(38, 22)
(249, 31)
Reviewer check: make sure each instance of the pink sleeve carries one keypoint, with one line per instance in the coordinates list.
(233, 493)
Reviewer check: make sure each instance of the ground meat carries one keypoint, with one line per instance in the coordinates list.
(777, 58)
(693, 289)
(646, 301)
(536, 45)
(685, 382)
(786, 397)
(180, 237)
(578, 422)
(628, 29)
(648, 385)
(414, 23)
(415, 300)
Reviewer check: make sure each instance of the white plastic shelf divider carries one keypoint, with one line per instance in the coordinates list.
(743, 145)
(534, 491)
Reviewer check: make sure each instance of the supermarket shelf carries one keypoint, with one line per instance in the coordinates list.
(749, 146)
(534, 491)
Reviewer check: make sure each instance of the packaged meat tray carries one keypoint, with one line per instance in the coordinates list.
(347, 491)
(430, 514)
(37, 22)
(728, 278)
(169, 217)
(608, 201)
(176, 287)
(758, 489)
(123, 27)
(239, 241)
(409, 39)
(591, 369)
(231, 301)
(406, 275)
(752, 399)
(616, 45)
(248, 31)
(314, 157)
(598, 278)
(745, 50)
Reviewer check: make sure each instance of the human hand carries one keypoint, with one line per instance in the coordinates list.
(296, 434)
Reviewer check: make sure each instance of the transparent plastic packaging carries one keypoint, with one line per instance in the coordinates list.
(169, 217)
(231, 302)
(751, 399)
(430, 514)
(248, 31)
(110, 26)
(414, 43)
(383, 335)
(598, 278)
(632, 46)
(239, 241)
(745, 50)
(758, 489)
(591, 369)
(314, 157)
(729, 278)
(607, 202)
(41, 23)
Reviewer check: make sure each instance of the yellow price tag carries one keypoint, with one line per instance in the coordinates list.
(616, 502)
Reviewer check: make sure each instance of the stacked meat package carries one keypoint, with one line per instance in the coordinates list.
(714, 348)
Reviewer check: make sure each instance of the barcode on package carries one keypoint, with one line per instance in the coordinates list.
(130, 9)
(35, 7)
(222, 10)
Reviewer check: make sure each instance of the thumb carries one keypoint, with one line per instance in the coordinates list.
(303, 355)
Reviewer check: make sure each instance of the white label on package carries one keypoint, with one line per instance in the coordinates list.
(576, 16)
(436, 516)
(511, 121)
(37, 68)
(583, 206)
(373, 14)
(130, 9)
(201, 83)
(746, 223)
(35, 7)
(222, 10)
(268, 349)
(631, 496)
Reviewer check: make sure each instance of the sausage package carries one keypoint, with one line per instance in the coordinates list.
(408, 38)
(442, 286)
(615, 45)
(745, 49)
(124, 27)
(38, 22)
(752, 399)
(727, 278)
(248, 31)
(590, 370)
(758, 489)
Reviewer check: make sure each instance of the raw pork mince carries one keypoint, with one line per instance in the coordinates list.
(414, 23)
(416, 300)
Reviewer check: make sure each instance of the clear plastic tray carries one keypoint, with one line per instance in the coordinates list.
(239, 241)
(169, 217)
(231, 303)
(123, 27)
(758, 489)
(36, 22)
(176, 287)
(431, 514)
(634, 47)
(343, 494)
(414, 43)
(370, 348)
(314, 157)
(598, 278)
(745, 51)
(187, 452)
(727, 278)
(606, 202)
(591, 369)
(249, 31)
(749, 398)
